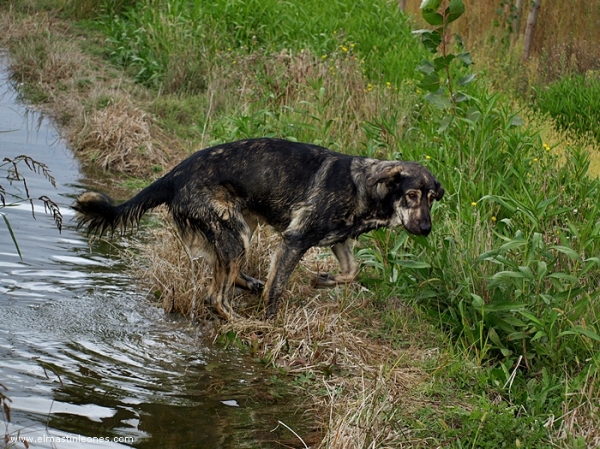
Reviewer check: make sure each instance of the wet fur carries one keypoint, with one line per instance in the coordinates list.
(309, 194)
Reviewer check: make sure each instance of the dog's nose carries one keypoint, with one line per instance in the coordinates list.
(425, 228)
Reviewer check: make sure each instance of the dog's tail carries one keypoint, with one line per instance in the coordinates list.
(98, 212)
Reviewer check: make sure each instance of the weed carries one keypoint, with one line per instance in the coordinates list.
(22, 194)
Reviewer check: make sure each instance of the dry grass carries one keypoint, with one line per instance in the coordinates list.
(122, 138)
(70, 85)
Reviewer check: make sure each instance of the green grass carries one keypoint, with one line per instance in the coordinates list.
(170, 44)
(573, 102)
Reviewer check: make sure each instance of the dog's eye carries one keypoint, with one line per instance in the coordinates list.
(414, 196)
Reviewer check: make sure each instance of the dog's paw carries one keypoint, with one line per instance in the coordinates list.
(324, 281)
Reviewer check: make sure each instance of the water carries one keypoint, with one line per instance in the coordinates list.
(86, 359)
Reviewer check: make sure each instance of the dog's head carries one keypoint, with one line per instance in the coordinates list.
(409, 189)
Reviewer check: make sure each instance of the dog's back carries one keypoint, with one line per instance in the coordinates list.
(270, 176)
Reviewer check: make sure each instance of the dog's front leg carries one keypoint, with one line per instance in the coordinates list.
(348, 267)
(284, 261)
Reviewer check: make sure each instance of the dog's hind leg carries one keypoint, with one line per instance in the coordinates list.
(244, 281)
(348, 266)
(230, 241)
(220, 290)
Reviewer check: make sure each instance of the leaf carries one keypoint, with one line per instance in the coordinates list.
(426, 67)
(588, 333)
(582, 331)
(443, 62)
(502, 275)
(12, 235)
(494, 338)
(531, 318)
(538, 335)
(430, 82)
(431, 39)
(477, 302)
(454, 11)
(516, 121)
(444, 123)
(505, 306)
(414, 264)
(432, 17)
(465, 58)
(430, 5)
(517, 336)
(563, 276)
(569, 252)
(590, 262)
(466, 80)
(439, 100)
(545, 203)
(527, 272)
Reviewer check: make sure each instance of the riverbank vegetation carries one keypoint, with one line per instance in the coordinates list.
(485, 334)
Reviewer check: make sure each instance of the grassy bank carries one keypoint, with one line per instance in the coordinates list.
(485, 334)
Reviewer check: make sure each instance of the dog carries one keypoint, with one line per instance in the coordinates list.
(311, 195)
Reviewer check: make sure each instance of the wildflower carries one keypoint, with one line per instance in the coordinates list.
(324, 57)
(535, 159)
(388, 84)
(427, 157)
(493, 219)
(473, 204)
(546, 147)
(344, 49)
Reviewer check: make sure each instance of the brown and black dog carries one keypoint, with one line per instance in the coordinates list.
(312, 196)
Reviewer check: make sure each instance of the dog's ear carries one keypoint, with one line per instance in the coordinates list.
(439, 190)
(383, 173)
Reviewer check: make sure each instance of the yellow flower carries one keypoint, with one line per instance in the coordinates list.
(473, 204)
(388, 84)
(535, 159)
(427, 157)
(324, 57)
(494, 219)
(344, 48)
(546, 147)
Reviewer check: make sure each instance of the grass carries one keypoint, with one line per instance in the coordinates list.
(484, 334)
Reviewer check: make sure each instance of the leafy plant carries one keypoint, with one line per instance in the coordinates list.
(439, 78)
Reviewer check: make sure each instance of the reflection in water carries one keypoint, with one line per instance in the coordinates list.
(85, 356)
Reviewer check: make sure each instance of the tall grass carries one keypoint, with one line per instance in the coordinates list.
(573, 102)
(153, 36)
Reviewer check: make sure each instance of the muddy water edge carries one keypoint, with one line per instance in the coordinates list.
(88, 360)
